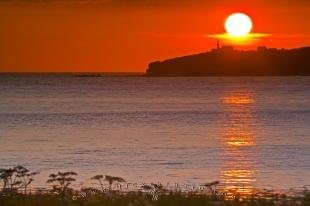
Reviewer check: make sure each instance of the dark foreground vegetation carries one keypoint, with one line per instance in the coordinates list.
(113, 191)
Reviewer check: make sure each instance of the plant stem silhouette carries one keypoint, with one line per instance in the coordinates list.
(16, 178)
(112, 179)
(61, 181)
(99, 178)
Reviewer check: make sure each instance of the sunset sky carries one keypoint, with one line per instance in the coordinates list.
(124, 36)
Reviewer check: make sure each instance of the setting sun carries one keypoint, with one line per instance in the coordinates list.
(238, 25)
(239, 31)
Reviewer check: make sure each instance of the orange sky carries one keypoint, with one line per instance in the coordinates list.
(123, 36)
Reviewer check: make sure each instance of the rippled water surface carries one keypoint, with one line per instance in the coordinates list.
(246, 132)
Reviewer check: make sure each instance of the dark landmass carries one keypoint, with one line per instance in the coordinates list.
(74, 74)
(226, 61)
(89, 75)
(110, 74)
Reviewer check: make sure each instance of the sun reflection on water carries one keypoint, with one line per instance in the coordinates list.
(237, 137)
(238, 99)
(238, 174)
(239, 181)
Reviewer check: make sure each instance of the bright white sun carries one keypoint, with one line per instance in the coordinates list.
(238, 25)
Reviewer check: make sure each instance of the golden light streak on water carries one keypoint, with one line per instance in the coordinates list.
(238, 175)
(238, 99)
(236, 137)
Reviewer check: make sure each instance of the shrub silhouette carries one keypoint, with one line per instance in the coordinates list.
(211, 186)
(61, 181)
(16, 178)
(26, 177)
(112, 179)
(100, 179)
(155, 190)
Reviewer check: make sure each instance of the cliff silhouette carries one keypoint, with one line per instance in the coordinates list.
(226, 61)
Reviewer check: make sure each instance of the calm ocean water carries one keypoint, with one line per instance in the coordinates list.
(246, 132)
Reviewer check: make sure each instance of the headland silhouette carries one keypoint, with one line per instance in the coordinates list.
(226, 61)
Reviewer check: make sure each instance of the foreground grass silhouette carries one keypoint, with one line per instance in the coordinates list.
(142, 199)
(15, 181)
